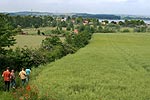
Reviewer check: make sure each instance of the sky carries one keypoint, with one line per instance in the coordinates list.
(132, 7)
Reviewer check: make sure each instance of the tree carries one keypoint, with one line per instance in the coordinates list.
(68, 28)
(50, 42)
(38, 32)
(6, 34)
(121, 23)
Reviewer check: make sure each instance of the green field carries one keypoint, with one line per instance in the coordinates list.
(31, 41)
(33, 31)
(46, 30)
(111, 67)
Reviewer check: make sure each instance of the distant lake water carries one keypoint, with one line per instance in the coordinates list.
(146, 21)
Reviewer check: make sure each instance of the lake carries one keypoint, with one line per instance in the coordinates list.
(146, 21)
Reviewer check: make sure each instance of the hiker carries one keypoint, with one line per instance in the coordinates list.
(6, 76)
(22, 75)
(28, 71)
(12, 79)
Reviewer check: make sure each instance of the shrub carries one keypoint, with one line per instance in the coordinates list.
(140, 29)
(68, 28)
(78, 40)
(148, 29)
(50, 42)
(111, 28)
(125, 30)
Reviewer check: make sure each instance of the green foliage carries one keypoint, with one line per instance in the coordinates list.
(54, 23)
(134, 23)
(79, 20)
(106, 21)
(148, 29)
(36, 26)
(64, 24)
(140, 29)
(79, 40)
(22, 58)
(121, 23)
(55, 31)
(81, 28)
(68, 28)
(109, 28)
(6, 34)
(125, 30)
(53, 48)
(51, 42)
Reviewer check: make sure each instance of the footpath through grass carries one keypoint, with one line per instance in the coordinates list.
(111, 67)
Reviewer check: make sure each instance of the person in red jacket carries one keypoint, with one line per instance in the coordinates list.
(6, 75)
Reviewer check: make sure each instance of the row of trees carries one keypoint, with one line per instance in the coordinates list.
(71, 23)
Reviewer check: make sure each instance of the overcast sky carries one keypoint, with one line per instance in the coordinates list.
(133, 7)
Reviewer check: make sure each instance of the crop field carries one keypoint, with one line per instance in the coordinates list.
(111, 67)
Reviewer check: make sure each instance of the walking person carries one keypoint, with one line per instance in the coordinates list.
(22, 75)
(12, 79)
(28, 71)
(6, 76)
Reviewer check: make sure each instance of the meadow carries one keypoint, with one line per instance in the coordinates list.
(33, 31)
(111, 67)
(30, 41)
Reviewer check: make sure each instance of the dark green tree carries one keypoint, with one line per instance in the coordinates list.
(6, 34)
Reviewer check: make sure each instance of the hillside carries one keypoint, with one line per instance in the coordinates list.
(85, 15)
(111, 67)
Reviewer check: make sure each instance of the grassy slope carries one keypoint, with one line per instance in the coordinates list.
(111, 67)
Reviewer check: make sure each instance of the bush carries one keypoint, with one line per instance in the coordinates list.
(140, 29)
(148, 29)
(79, 40)
(111, 28)
(56, 31)
(125, 30)
(22, 58)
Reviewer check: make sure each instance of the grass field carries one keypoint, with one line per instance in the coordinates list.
(33, 31)
(31, 41)
(46, 30)
(111, 67)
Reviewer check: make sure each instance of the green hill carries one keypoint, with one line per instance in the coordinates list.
(111, 67)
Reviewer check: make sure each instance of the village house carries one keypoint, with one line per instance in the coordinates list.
(76, 31)
(85, 22)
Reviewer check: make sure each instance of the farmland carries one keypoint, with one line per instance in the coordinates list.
(111, 67)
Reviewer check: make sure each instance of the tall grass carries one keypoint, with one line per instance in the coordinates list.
(111, 67)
